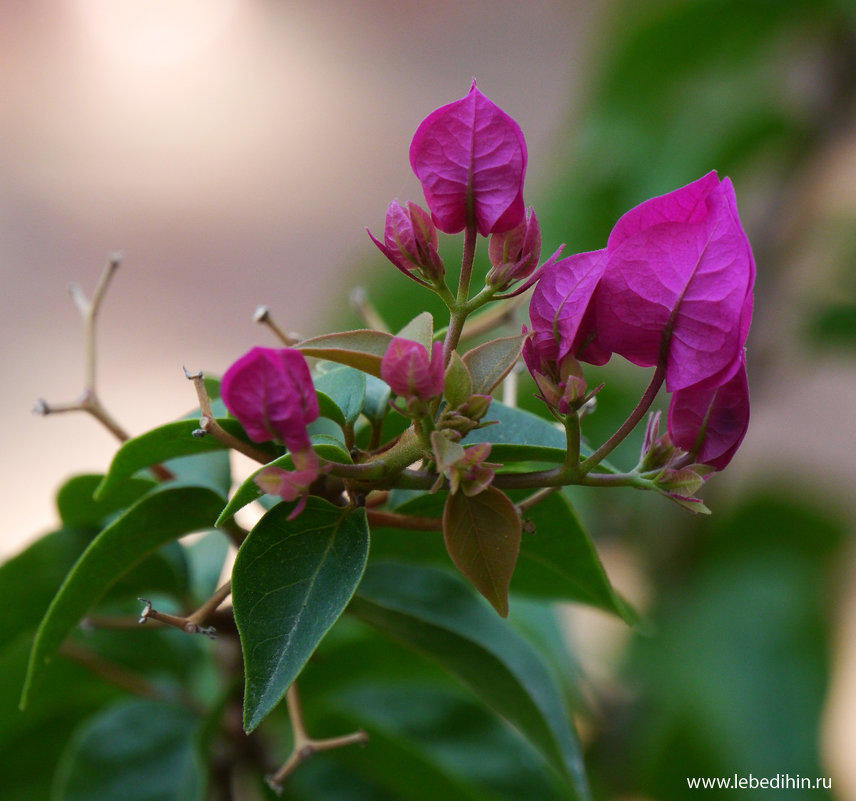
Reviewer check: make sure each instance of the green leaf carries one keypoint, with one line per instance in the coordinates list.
(78, 508)
(482, 535)
(161, 444)
(249, 491)
(139, 750)
(376, 403)
(160, 517)
(291, 581)
(459, 383)
(363, 349)
(519, 436)
(434, 612)
(491, 362)
(327, 408)
(420, 329)
(30, 579)
(347, 389)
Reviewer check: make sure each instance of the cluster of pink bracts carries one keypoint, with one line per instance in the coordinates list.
(671, 290)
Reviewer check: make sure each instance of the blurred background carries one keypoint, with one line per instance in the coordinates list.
(234, 151)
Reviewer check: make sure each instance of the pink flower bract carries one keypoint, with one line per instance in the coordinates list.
(410, 373)
(711, 424)
(678, 285)
(471, 159)
(562, 322)
(410, 241)
(271, 393)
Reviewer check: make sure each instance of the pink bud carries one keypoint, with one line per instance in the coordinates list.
(710, 423)
(410, 373)
(471, 159)
(410, 241)
(514, 254)
(677, 287)
(271, 393)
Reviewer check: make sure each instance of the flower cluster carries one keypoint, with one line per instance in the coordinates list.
(672, 290)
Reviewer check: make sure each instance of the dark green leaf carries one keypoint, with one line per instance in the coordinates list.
(137, 751)
(327, 408)
(519, 436)
(434, 612)
(290, 583)
(160, 517)
(376, 404)
(30, 579)
(346, 387)
(491, 362)
(482, 535)
(78, 508)
(249, 491)
(161, 444)
(31, 742)
(363, 349)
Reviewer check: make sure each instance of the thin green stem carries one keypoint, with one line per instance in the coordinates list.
(460, 308)
(629, 424)
(572, 438)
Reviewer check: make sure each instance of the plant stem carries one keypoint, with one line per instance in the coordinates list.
(305, 746)
(629, 424)
(460, 309)
(395, 520)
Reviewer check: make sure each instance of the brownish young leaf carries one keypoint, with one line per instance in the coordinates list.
(482, 535)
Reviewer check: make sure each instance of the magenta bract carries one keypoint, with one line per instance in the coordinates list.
(678, 285)
(471, 159)
(271, 393)
(291, 485)
(410, 373)
(711, 423)
(562, 320)
(410, 241)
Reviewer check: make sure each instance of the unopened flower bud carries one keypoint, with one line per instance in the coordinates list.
(514, 254)
(410, 242)
(409, 371)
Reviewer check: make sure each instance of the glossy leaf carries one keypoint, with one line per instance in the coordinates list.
(249, 491)
(162, 444)
(376, 403)
(491, 362)
(362, 349)
(158, 518)
(330, 410)
(78, 507)
(482, 535)
(136, 751)
(346, 387)
(29, 580)
(436, 613)
(519, 436)
(291, 581)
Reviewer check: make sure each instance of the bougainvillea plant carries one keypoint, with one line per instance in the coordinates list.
(400, 501)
